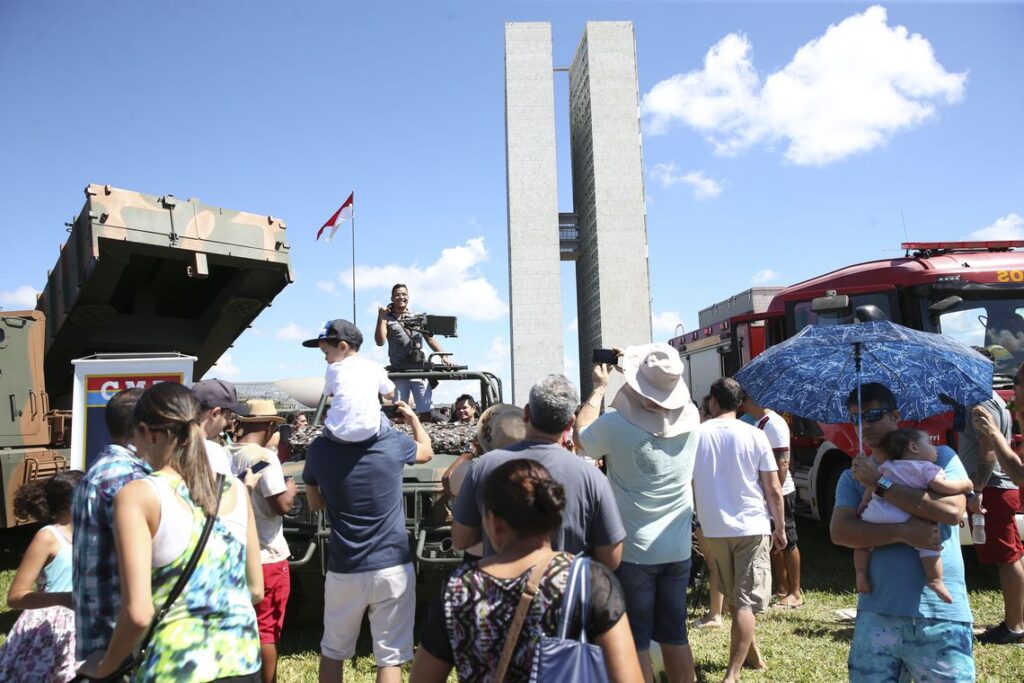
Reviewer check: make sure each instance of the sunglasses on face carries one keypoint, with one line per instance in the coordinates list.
(873, 415)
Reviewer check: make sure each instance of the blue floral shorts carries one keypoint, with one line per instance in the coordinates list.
(897, 649)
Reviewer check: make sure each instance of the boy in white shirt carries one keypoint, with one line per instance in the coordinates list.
(354, 382)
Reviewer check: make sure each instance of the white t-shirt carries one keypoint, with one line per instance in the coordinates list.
(355, 384)
(219, 461)
(727, 479)
(775, 428)
(269, 524)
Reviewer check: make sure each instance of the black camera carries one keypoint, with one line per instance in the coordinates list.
(431, 325)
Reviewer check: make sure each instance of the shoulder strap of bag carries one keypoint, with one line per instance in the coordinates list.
(186, 574)
(577, 591)
(529, 591)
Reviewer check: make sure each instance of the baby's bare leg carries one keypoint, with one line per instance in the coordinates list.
(861, 561)
(932, 565)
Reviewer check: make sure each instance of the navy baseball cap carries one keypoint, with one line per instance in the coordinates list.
(219, 393)
(337, 331)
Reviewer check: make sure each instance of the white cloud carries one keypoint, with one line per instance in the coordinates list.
(666, 322)
(703, 187)
(225, 367)
(292, 332)
(764, 276)
(23, 297)
(326, 286)
(1010, 227)
(848, 91)
(575, 325)
(451, 285)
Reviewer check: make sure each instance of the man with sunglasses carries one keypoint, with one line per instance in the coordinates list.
(902, 627)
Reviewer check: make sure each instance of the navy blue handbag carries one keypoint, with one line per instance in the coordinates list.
(561, 658)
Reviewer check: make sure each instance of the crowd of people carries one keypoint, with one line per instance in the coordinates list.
(166, 560)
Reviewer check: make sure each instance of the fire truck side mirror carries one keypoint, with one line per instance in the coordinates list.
(944, 305)
(830, 303)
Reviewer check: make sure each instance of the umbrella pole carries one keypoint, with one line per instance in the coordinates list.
(860, 419)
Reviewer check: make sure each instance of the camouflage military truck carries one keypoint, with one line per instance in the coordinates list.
(427, 518)
(138, 273)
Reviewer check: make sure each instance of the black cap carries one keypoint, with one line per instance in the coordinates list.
(339, 331)
(219, 393)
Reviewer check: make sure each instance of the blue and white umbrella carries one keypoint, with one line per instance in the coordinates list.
(812, 374)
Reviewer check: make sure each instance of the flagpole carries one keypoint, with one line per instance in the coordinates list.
(353, 258)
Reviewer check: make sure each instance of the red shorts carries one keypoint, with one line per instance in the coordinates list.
(1002, 539)
(270, 612)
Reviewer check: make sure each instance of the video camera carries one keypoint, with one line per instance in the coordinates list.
(427, 325)
(431, 325)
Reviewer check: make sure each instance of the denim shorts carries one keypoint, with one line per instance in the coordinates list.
(656, 601)
(887, 648)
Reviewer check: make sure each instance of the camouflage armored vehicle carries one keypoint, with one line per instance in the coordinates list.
(427, 518)
(138, 273)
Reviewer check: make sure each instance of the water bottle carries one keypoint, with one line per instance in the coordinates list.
(978, 532)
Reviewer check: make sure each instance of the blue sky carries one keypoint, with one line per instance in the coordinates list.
(780, 141)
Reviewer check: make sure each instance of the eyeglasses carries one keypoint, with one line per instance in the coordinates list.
(873, 415)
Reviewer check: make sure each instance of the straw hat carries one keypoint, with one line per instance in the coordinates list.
(261, 410)
(500, 426)
(655, 397)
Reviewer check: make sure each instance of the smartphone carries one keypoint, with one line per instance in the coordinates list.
(390, 410)
(259, 467)
(606, 356)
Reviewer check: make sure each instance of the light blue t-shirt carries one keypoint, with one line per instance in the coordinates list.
(650, 477)
(897, 579)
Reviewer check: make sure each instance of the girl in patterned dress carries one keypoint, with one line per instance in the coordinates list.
(210, 632)
(467, 623)
(41, 644)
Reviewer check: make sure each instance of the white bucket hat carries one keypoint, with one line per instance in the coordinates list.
(655, 396)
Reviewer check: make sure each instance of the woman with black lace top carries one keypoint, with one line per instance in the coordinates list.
(467, 624)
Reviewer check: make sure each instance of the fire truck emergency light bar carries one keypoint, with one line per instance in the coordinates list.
(936, 246)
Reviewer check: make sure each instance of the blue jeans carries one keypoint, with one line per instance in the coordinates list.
(420, 391)
(656, 601)
(887, 648)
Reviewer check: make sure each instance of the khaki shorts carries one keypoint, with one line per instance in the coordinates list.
(390, 596)
(744, 570)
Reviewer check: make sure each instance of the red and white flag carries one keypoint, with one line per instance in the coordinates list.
(343, 213)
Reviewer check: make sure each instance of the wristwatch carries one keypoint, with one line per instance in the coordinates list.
(883, 486)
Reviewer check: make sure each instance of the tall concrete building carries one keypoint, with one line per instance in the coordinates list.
(535, 294)
(605, 233)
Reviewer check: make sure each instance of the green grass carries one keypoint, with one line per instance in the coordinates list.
(806, 644)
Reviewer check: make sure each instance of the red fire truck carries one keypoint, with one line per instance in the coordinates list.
(972, 291)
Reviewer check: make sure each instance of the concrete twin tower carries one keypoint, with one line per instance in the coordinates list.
(606, 231)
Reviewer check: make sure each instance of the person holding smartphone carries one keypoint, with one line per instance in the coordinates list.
(272, 496)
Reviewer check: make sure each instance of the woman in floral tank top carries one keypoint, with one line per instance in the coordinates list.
(210, 632)
(468, 622)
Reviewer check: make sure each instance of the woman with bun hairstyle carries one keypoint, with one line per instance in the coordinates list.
(210, 632)
(41, 644)
(468, 622)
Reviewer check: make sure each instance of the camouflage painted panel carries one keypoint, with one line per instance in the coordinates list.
(23, 418)
(445, 437)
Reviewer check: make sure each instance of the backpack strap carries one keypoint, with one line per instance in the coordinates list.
(529, 591)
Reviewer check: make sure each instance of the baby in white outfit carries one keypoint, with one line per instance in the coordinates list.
(909, 459)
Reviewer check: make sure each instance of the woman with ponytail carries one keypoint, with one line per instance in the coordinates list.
(210, 632)
(469, 620)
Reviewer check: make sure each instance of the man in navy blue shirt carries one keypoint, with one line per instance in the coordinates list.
(369, 562)
(903, 627)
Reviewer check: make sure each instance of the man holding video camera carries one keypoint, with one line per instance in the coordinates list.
(405, 349)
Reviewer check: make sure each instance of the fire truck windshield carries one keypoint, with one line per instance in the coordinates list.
(991, 323)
